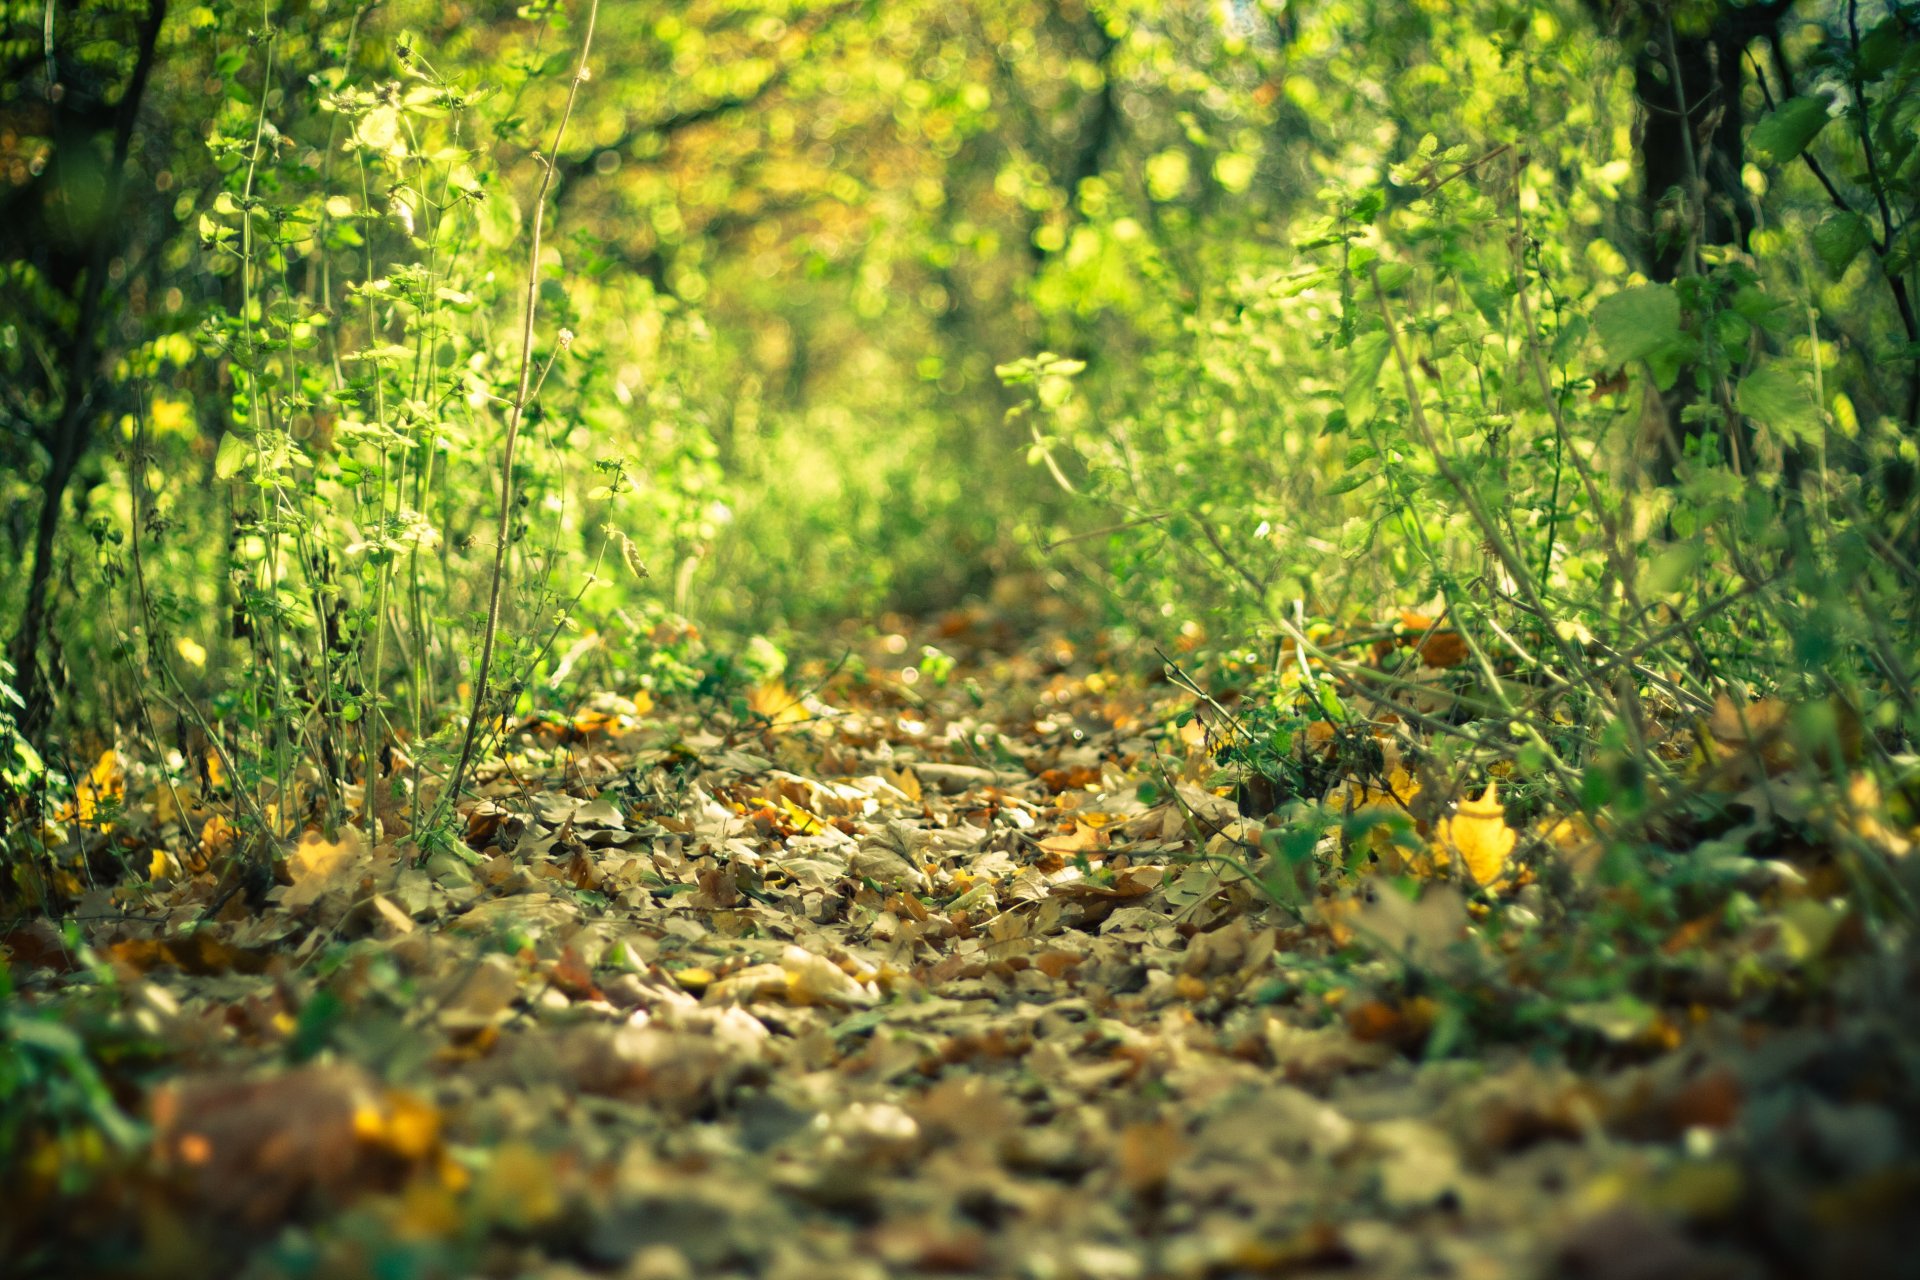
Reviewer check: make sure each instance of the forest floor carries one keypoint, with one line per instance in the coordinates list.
(971, 969)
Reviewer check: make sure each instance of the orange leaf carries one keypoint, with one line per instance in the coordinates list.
(1442, 649)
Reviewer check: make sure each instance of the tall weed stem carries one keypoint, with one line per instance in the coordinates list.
(503, 527)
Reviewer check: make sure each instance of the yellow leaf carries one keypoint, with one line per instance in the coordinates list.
(1865, 813)
(694, 980)
(1479, 836)
(319, 868)
(105, 784)
(773, 701)
(402, 1123)
(803, 822)
(905, 781)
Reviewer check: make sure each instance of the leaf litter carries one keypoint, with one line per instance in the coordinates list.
(993, 975)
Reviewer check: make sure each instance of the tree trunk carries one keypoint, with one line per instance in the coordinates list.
(72, 431)
(1691, 152)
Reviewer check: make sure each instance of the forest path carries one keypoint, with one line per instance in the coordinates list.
(952, 966)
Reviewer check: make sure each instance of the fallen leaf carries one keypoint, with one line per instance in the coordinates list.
(1147, 1155)
(251, 1149)
(814, 979)
(102, 789)
(1478, 834)
(321, 868)
(777, 704)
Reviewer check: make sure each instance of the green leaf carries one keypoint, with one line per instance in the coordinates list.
(1348, 483)
(1634, 323)
(1763, 311)
(1880, 49)
(1364, 361)
(1904, 249)
(319, 1017)
(1368, 206)
(233, 457)
(1674, 566)
(1667, 362)
(1786, 131)
(1393, 275)
(1776, 396)
(1839, 239)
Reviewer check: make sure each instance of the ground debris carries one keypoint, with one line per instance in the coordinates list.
(1002, 985)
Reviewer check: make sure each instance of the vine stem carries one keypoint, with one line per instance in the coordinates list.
(518, 413)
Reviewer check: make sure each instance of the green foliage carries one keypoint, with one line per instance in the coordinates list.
(60, 1122)
(1788, 130)
(1437, 386)
(20, 764)
(291, 534)
(1297, 317)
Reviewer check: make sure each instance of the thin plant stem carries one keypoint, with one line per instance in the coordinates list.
(516, 415)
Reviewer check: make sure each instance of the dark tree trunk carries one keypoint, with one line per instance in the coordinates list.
(1691, 151)
(67, 438)
(1691, 122)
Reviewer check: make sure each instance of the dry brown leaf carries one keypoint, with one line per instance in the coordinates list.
(321, 868)
(252, 1149)
(483, 995)
(1147, 1154)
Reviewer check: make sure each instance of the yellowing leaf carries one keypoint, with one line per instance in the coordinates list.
(1479, 836)
(380, 130)
(803, 822)
(773, 701)
(1573, 837)
(814, 979)
(1865, 813)
(401, 1123)
(102, 788)
(319, 868)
